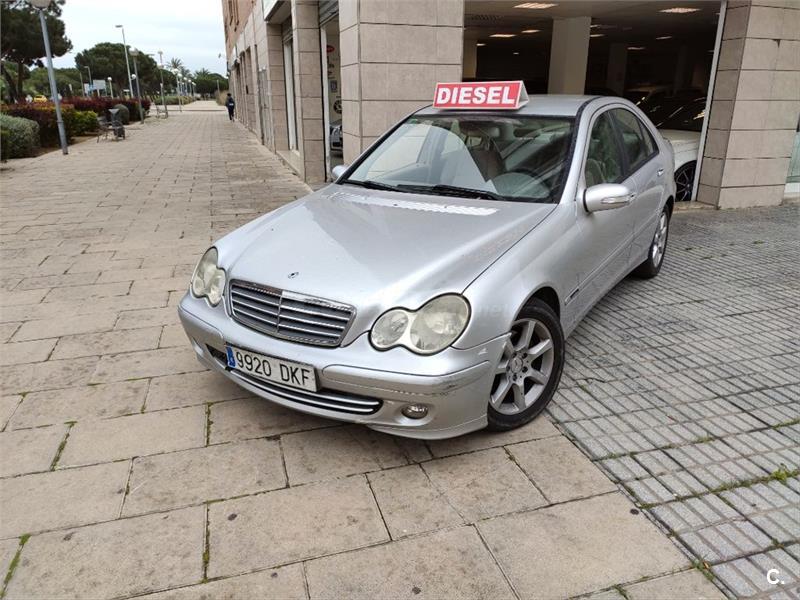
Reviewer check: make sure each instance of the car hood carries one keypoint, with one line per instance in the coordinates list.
(374, 249)
(681, 140)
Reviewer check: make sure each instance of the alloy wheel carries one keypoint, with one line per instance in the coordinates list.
(684, 180)
(524, 369)
(659, 240)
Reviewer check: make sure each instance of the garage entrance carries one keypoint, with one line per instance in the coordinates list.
(330, 57)
(656, 54)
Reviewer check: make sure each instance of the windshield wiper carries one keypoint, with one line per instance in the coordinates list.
(373, 185)
(453, 190)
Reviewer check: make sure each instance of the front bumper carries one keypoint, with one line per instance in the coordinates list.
(454, 384)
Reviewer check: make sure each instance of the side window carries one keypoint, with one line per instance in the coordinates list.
(637, 147)
(603, 160)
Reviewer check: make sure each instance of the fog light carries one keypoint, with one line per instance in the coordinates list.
(415, 411)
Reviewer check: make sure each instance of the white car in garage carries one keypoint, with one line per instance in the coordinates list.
(681, 128)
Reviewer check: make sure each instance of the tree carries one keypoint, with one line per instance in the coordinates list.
(108, 60)
(21, 40)
(40, 84)
(206, 82)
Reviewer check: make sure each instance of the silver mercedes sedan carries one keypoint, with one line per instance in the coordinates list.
(428, 291)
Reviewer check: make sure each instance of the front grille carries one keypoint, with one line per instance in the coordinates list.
(288, 315)
(327, 399)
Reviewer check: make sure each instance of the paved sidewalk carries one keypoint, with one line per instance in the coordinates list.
(126, 470)
(686, 390)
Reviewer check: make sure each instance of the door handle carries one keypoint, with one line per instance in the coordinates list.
(660, 172)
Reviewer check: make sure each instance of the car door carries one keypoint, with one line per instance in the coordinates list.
(605, 235)
(641, 156)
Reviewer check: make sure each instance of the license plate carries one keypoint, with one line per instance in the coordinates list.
(285, 372)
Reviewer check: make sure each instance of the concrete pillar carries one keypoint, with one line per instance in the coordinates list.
(470, 67)
(308, 89)
(617, 65)
(755, 106)
(569, 53)
(278, 135)
(392, 54)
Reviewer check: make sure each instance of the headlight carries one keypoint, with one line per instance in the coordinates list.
(208, 279)
(428, 330)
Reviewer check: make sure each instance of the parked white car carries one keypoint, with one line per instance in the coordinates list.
(682, 128)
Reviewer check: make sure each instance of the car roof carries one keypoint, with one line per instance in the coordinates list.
(553, 105)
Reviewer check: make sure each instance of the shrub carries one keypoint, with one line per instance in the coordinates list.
(45, 115)
(85, 122)
(101, 105)
(174, 99)
(124, 113)
(20, 137)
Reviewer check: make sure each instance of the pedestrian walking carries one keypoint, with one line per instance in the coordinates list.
(230, 105)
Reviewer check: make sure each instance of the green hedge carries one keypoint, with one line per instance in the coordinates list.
(84, 122)
(174, 100)
(45, 116)
(20, 137)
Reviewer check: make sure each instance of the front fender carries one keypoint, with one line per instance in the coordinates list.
(500, 292)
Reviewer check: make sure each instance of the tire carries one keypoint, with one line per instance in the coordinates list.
(684, 180)
(650, 267)
(524, 384)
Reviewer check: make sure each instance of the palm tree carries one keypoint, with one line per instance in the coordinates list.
(176, 63)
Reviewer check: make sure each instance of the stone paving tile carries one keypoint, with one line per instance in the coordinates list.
(173, 391)
(560, 470)
(119, 558)
(8, 549)
(172, 335)
(688, 584)
(574, 548)
(539, 428)
(95, 344)
(256, 417)
(483, 484)
(148, 363)
(29, 450)
(464, 569)
(26, 352)
(8, 406)
(79, 404)
(59, 499)
(410, 503)
(216, 472)
(137, 435)
(292, 524)
(286, 583)
(338, 451)
(57, 327)
(50, 375)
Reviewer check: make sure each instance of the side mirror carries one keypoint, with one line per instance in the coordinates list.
(338, 171)
(606, 196)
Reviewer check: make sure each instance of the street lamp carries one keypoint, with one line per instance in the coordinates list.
(178, 89)
(161, 73)
(40, 5)
(110, 87)
(134, 54)
(127, 64)
(91, 81)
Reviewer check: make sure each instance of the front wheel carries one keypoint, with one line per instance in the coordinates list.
(658, 247)
(529, 370)
(684, 182)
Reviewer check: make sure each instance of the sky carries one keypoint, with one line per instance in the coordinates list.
(187, 29)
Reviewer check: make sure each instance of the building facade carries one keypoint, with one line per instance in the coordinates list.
(317, 81)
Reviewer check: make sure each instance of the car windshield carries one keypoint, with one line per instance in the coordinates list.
(497, 157)
(687, 118)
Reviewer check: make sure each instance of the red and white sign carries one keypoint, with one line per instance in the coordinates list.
(478, 95)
